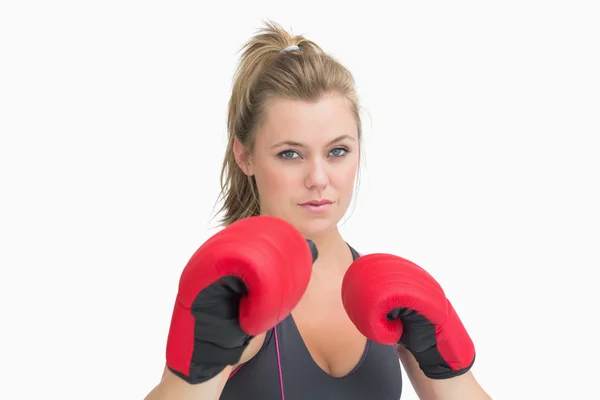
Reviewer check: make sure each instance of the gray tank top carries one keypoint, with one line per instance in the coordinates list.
(284, 369)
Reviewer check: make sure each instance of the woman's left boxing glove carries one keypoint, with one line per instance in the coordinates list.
(392, 300)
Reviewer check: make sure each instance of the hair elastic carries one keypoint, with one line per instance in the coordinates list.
(289, 48)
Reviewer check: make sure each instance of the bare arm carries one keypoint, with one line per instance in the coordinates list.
(172, 387)
(462, 387)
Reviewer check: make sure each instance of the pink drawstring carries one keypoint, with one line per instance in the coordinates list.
(279, 363)
(235, 370)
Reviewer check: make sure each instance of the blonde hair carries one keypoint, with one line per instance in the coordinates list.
(269, 68)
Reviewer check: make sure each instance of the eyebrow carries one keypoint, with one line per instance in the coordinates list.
(297, 144)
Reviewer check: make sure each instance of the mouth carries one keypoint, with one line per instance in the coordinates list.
(316, 203)
(317, 206)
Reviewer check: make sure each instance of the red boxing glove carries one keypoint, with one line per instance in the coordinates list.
(392, 300)
(240, 283)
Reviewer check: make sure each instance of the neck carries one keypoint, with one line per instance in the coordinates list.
(332, 249)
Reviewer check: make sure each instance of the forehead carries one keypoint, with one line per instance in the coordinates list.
(310, 122)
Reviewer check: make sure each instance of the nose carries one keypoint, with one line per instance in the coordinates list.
(317, 176)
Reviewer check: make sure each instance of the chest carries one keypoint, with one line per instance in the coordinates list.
(329, 335)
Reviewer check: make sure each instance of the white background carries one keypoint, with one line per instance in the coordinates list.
(482, 165)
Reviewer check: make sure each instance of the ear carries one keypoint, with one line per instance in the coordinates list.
(241, 157)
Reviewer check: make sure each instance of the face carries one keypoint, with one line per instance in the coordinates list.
(305, 161)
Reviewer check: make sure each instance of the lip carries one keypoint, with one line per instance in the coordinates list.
(316, 202)
(317, 206)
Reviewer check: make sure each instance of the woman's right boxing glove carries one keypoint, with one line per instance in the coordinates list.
(240, 283)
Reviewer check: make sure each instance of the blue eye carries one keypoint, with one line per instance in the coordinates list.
(336, 152)
(287, 154)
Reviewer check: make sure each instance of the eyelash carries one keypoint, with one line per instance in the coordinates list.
(346, 151)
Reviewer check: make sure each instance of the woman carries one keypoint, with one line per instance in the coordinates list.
(293, 153)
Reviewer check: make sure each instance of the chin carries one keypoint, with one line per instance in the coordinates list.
(315, 227)
(310, 227)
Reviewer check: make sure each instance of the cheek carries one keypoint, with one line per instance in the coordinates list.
(272, 179)
(347, 178)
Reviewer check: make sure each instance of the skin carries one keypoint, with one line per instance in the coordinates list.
(322, 164)
(319, 166)
(310, 151)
